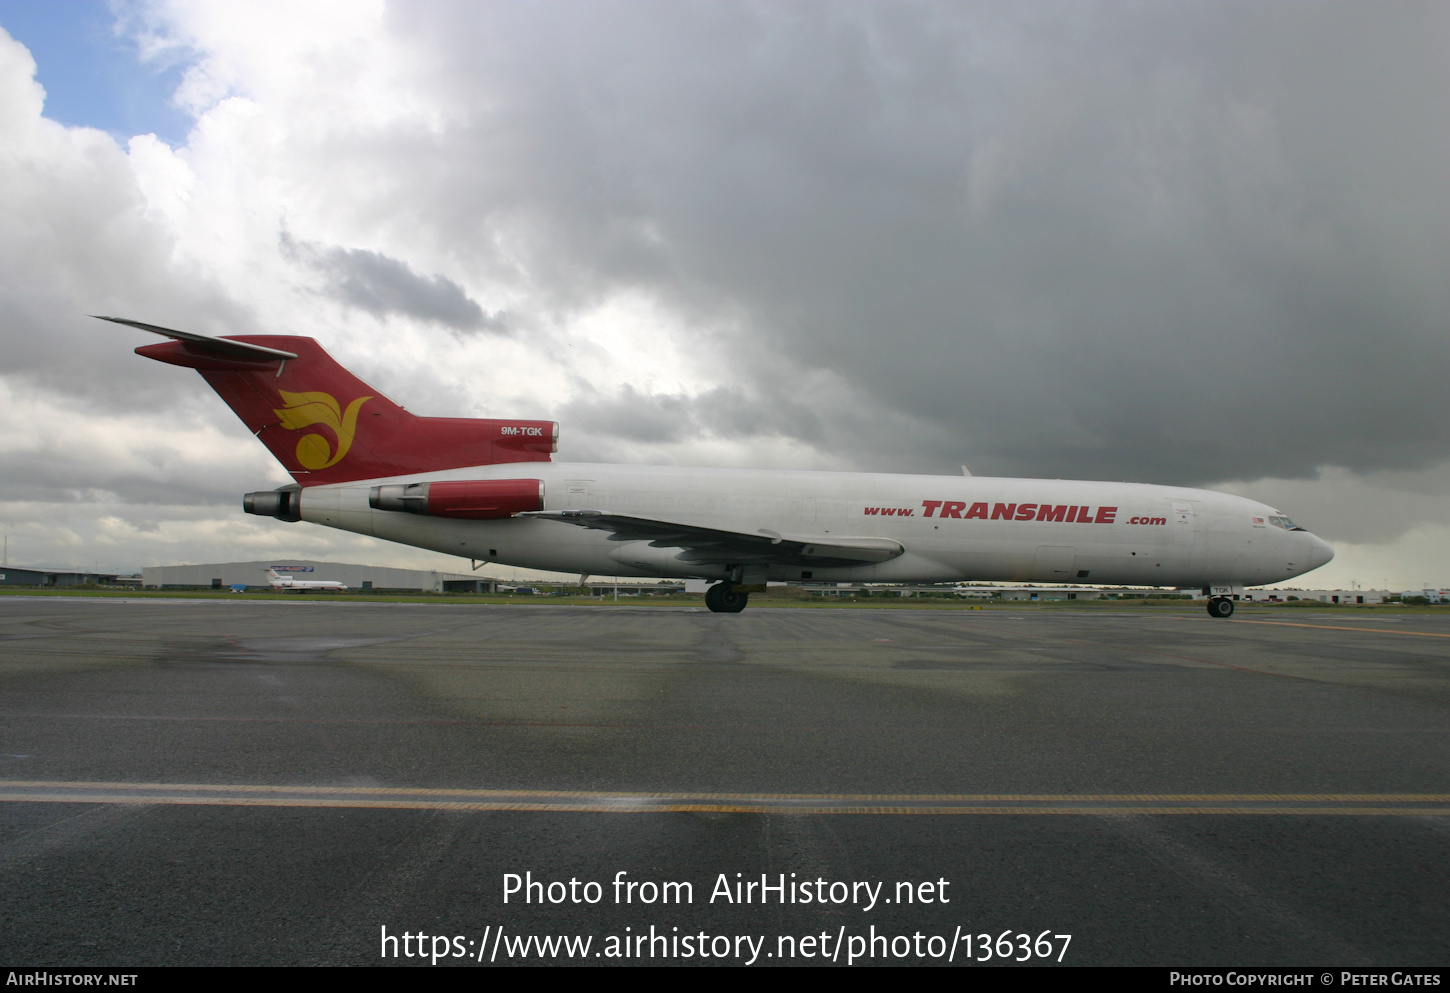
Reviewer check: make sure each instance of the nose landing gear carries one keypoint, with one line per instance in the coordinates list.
(724, 598)
(1220, 606)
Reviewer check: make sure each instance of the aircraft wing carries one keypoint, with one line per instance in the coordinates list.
(712, 546)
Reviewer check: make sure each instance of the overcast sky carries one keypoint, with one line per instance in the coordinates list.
(1202, 244)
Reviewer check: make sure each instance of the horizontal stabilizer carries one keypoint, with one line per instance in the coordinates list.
(226, 347)
(713, 546)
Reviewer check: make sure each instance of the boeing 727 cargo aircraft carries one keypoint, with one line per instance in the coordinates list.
(290, 584)
(487, 489)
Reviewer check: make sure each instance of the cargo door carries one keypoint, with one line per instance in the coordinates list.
(1054, 563)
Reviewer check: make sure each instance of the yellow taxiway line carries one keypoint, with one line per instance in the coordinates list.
(1341, 627)
(593, 801)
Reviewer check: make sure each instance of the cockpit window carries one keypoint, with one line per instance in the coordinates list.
(1285, 523)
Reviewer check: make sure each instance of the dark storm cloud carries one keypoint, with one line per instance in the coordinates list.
(1154, 241)
(385, 286)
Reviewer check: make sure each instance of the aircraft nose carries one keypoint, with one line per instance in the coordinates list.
(1319, 552)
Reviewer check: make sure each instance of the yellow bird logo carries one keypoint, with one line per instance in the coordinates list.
(305, 409)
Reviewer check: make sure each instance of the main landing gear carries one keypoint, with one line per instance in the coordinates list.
(725, 599)
(1220, 606)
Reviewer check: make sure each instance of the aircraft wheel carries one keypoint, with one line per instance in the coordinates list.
(1220, 607)
(733, 601)
(725, 599)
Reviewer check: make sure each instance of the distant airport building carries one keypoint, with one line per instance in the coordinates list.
(1323, 596)
(1052, 593)
(253, 575)
(19, 575)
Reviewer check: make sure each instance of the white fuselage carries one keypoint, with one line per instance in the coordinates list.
(953, 528)
(286, 583)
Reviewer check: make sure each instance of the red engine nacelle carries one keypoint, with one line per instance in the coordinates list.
(472, 499)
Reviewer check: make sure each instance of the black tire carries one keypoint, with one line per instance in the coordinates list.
(1220, 607)
(725, 599)
(732, 601)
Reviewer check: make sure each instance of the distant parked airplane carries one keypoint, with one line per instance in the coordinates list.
(289, 585)
(486, 489)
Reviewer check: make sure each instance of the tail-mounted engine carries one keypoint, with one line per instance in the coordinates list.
(284, 503)
(472, 499)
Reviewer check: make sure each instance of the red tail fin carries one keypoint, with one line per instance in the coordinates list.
(327, 426)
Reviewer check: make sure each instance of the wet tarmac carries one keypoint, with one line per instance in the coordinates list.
(245, 782)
